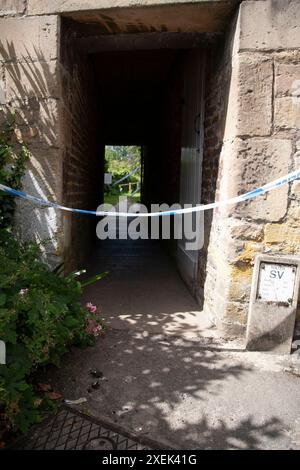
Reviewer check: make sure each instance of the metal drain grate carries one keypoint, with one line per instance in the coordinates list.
(69, 430)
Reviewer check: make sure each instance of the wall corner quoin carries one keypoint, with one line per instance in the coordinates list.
(269, 25)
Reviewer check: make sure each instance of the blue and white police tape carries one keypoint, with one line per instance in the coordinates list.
(243, 197)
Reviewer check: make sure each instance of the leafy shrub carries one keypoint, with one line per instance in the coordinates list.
(12, 166)
(40, 317)
(121, 160)
(40, 311)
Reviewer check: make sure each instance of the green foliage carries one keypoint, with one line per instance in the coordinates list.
(40, 317)
(12, 166)
(40, 311)
(121, 160)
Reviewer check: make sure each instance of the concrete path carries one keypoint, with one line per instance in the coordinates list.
(161, 378)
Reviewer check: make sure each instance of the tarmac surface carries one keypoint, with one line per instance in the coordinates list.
(162, 372)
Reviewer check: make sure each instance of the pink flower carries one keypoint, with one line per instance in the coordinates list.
(91, 308)
(97, 330)
(92, 327)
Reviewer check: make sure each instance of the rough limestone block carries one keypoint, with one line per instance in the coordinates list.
(29, 38)
(33, 79)
(36, 7)
(287, 113)
(43, 178)
(255, 162)
(287, 80)
(240, 285)
(282, 234)
(49, 38)
(12, 7)
(296, 189)
(242, 230)
(38, 121)
(254, 114)
(296, 158)
(269, 24)
(236, 313)
(294, 215)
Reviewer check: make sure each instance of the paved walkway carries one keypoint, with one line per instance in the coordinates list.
(163, 377)
(143, 291)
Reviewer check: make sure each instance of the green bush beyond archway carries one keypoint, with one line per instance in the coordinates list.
(121, 161)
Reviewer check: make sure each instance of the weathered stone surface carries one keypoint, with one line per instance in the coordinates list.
(269, 24)
(294, 213)
(246, 231)
(251, 249)
(12, 7)
(240, 286)
(237, 312)
(287, 113)
(200, 15)
(254, 113)
(288, 56)
(49, 39)
(253, 163)
(296, 189)
(287, 80)
(282, 234)
(296, 158)
(231, 328)
(59, 6)
(43, 178)
(38, 121)
(38, 80)
(29, 38)
(257, 158)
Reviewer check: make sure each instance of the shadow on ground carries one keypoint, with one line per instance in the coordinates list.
(163, 376)
(177, 393)
(143, 290)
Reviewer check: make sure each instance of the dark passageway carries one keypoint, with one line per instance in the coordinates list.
(140, 97)
(133, 95)
(151, 97)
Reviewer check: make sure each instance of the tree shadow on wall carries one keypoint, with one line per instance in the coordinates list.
(30, 89)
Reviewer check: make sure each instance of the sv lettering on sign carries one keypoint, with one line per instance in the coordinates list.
(274, 274)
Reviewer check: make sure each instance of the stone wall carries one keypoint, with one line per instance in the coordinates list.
(260, 143)
(30, 86)
(54, 101)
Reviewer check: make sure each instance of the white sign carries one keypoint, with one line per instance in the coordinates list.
(276, 282)
(107, 178)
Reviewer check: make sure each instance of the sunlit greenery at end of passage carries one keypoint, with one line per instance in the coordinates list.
(121, 161)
